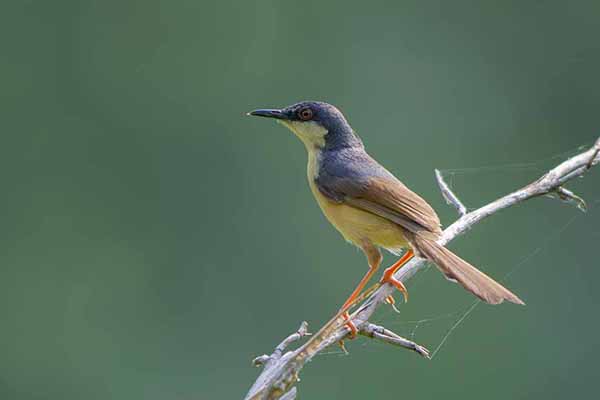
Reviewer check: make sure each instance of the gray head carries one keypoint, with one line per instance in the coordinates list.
(319, 125)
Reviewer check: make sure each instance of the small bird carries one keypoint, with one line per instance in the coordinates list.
(369, 206)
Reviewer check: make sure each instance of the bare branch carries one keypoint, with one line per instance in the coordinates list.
(595, 154)
(301, 332)
(449, 195)
(387, 336)
(273, 365)
(280, 376)
(264, 359)
(261, 360)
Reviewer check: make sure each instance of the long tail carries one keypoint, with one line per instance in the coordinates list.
(469, 277)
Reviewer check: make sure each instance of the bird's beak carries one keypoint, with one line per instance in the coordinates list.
(268, 113)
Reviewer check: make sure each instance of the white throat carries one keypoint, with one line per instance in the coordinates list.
(311, 133)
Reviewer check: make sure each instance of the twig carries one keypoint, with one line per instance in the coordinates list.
(594, 157)
(273, 364)
(387, 336)
(449, 195)
(301, 332)
(282, 374)
(265, 359)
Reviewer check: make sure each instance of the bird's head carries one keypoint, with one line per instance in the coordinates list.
(319, 125)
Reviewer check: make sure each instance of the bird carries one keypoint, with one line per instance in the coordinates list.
(370, 207)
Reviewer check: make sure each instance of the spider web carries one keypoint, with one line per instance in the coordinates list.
(449, 322)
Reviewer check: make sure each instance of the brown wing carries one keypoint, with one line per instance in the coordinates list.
(387, 197)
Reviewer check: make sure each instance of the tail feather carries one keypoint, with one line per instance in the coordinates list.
(457, 269)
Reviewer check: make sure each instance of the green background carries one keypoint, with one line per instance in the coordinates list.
(154, 239)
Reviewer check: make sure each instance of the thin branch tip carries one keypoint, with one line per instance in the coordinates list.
(261, 360)
(386, 336)
(448, 194)
(300, 333)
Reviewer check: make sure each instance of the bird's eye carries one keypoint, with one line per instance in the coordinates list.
(305, 114)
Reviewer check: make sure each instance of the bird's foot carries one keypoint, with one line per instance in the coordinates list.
(388, 274)
(388, 277)
(392, 302)
(343, 347)
(350, 325)
(390, 299)
(353, 331)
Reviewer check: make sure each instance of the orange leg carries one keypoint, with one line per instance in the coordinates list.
(388, 274)
(350, 325)
(374, 259)
(360, 286)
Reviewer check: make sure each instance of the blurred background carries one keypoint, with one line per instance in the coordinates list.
(155, 239)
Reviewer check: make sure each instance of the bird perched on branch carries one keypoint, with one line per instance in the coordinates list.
(369, 206)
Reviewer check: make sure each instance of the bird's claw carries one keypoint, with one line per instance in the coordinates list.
(390, 299)
(392, 302)
(343, 347)
(389, 278)
(350, 325)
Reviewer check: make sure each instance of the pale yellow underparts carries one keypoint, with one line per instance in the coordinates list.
(359, 227)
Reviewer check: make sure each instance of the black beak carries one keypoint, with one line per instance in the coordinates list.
(268, 113)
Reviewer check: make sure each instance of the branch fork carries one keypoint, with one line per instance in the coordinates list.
(385, 335)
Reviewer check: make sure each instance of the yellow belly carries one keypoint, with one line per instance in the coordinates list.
(357, 225)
